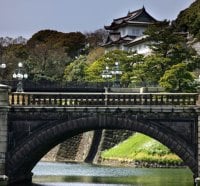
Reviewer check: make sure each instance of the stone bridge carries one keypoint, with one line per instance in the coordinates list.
(33, 123)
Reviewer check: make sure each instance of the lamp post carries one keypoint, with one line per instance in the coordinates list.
(20, 74)
(117, 72)
(198, 84)
(2, 65)
(106, 74)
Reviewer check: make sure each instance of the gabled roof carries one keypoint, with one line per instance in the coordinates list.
(137, 40)
(115, 41)
(138, 17)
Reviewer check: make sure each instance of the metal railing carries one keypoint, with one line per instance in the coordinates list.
(68, 86)
(99, 99)
(49, 86)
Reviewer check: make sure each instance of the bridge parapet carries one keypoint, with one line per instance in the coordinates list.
(101, 99)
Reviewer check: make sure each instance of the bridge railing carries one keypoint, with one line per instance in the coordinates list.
(100, 99)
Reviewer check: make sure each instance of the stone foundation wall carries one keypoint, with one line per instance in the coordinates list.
(109, 139)
(51, 155)
(78, 147)
(73, 149)
(84, 146)
(113, 137)
(68, 149)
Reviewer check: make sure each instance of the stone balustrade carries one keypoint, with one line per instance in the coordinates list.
(98, 99)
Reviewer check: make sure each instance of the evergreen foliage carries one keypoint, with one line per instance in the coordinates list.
(57, 56)
(178, 79)
(126, 60)
(189, 19)
(170, 50)
(48, 52)
(75, 71)
(72, 42)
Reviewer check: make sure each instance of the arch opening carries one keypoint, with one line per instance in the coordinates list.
(38, 144)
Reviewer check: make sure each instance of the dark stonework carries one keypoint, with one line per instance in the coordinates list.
(113, 137)
(33, 132)
(69, 149)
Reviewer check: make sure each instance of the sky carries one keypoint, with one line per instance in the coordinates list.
(26, 17)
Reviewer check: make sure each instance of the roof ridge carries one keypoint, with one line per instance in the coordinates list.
(141, 9)
(129, 14)
(139, 12)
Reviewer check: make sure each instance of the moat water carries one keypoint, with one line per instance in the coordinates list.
(69, 174)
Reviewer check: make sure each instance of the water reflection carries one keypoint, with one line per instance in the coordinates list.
(60, 174)
(67, 184)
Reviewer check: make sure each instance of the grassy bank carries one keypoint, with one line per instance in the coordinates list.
(142, 150)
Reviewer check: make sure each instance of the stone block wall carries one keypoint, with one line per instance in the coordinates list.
(84, 146)
(109, 139)
(68, 149)
(79, 147)
(114, 137)
(73, 149)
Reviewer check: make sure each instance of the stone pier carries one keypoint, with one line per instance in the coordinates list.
(4, 107)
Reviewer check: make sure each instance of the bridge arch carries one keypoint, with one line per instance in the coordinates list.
(24, 157)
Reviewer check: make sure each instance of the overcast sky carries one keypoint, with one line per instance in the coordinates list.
(26, 17)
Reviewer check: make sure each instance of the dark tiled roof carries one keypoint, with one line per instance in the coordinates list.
(137, 40)
(125, 40)
(138, 17)
(130, 15)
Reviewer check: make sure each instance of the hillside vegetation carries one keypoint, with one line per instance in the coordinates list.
(143, 151)
(189, 19)
(54, 56)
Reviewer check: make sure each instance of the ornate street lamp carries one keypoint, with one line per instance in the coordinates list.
(198, 83)
(2, 65)
(20, 74)
(106, 74)
(117, 72)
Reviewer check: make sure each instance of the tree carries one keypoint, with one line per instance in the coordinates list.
(151, 69)
(169, 48)
(50, 51)
(94, 39)
(45, 63)
(72, 42)
(75, 71)
(163, 40)
(178, 79)
(94, 54)
(126, 60)
(11, 55)
(188, 20)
